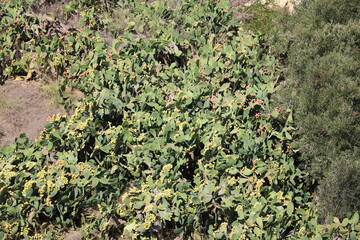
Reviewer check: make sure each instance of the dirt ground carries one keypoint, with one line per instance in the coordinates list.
(72, 235)
(24, 107)
(287, 4)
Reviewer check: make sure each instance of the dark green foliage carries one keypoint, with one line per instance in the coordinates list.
(340, 189)
(321, 46)
(320, 12)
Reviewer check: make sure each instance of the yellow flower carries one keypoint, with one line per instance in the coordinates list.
(149, 208)
(27, 186)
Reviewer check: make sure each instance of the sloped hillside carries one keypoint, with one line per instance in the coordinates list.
(175, 137)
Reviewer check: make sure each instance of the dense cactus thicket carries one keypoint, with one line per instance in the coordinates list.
(175, 137)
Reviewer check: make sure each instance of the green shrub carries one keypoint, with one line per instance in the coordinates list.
(320, 12)
(340, 189)
(260, 16)
(321, 49)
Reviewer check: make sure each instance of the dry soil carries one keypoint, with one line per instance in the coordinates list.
(24, 108)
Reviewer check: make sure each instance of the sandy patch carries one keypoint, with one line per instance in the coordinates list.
(24, 107)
